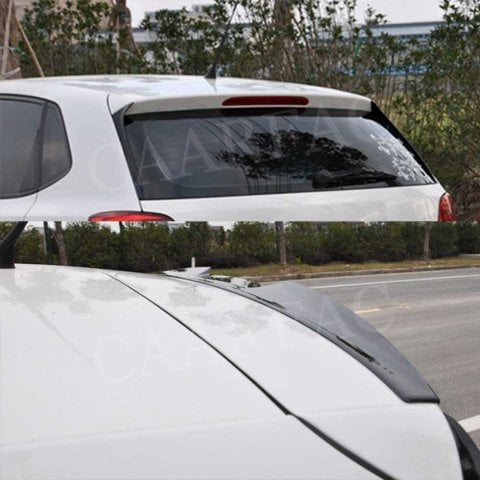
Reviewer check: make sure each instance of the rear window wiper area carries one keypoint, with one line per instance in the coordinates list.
(203, 153)
(328, 179)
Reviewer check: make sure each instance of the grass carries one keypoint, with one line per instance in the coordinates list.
(295, 269)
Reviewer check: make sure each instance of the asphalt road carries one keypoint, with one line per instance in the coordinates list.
(433, 318)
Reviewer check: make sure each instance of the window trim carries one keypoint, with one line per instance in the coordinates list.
(45, 104)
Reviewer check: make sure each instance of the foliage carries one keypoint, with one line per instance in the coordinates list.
(440, 111)
(191, 240)
(309, 41)
(74, 38)
(9, 69)
(29, 248)
(92, 245)
(413, 236)
(185, 44)
(444, 240)
(305, 243)
(145, 247)
(153, 247)
(384, 242)
(252, 243)
(342, 243)
(468, 237)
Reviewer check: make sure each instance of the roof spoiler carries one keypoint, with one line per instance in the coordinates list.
(203, 273)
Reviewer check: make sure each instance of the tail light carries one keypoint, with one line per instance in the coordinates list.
(446, 209)
(128, 216)
(268, 101)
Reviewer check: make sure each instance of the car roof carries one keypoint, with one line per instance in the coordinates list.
(115, 332)
(96, 356)
(104, 350)
(143, 89)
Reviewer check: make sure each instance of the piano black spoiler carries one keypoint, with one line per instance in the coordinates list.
(351, 333)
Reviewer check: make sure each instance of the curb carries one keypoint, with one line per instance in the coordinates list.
(351, 273)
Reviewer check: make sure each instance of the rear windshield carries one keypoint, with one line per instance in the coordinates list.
(229, 152)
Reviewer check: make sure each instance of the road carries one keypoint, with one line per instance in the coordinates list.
(433, 318)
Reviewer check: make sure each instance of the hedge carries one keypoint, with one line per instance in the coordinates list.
(153, 247)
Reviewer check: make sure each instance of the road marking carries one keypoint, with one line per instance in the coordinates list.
(453, 277)
(369, 310)
(471, 424)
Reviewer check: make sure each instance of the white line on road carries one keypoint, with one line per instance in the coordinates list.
(471, 424)
(369, 310)
(453, 277)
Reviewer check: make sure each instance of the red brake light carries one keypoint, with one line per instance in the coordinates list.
(255, 101)
(446, 209)
(126, 216)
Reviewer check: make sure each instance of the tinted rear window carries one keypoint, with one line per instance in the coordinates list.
(34, 151)
(264, 151)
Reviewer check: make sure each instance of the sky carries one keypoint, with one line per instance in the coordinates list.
(396, 10)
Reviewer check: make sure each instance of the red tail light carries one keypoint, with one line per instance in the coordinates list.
(126, 216)
(256, 101)
(446, 209)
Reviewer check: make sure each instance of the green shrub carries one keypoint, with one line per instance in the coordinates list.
(443, 240)
(468, 237)
(345, 243)
(252, 243)
(413, 237)
(30, 246)
(383, 242)
(92, 245)
(305, 243)
(193, 239)
(145, 247)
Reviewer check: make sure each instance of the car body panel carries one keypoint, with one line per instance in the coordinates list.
(16, 208)
(88, 365)
(283, 356)
(377, 434)
(280, 448)
(126, 363)
(359, 205)
(286, 358)
(91, 353)
(100, 180)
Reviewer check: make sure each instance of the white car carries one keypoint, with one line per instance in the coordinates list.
(189, 148)
(111, 375)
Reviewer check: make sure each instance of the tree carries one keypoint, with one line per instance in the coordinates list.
(146, 247)
(281, 242)
(306, 243)
(92, 245)
(71, 39)
(440, 112)
(9, 60)
(186, 44)
(426, 242)
(252, 243)
(29, 248)
(59, 239)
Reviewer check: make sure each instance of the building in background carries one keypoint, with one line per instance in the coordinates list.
(419, 31)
